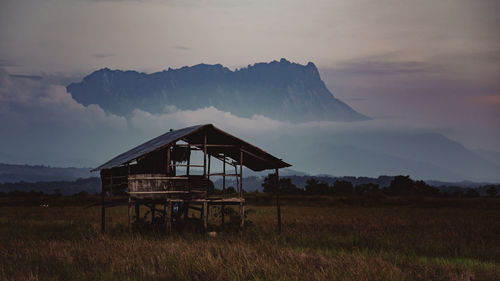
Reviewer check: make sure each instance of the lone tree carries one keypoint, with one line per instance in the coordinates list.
(269, 184)
(285, 184)
(313, 186)
(401, 185)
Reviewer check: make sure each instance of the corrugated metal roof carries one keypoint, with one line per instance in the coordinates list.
(255, 158)
(147, 147)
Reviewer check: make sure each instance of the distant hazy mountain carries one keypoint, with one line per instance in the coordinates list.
(427, 156)
(279, 90)
(35, 173)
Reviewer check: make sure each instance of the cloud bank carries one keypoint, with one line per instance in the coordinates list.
(40, 123)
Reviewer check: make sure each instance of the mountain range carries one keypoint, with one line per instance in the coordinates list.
(280, 90)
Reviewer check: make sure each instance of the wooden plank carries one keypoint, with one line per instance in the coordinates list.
(223, 174)
(168, 161)
(187, 165)
(158, 178)
(254, 155)
(191, 146)
(241, 172)
(237, 178)
(161, 192)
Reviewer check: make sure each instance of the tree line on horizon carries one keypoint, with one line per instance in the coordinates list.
(400, 186)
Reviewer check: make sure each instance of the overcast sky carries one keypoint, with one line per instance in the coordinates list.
(433, 64)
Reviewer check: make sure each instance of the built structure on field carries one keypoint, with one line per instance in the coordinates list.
(174, 171)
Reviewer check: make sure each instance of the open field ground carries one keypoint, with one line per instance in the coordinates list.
(322, 239)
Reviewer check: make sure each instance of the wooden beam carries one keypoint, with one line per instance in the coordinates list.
(174, 166)
(188, 162)
(254, 155)
(208, 172)
(237, 178)
(223, 174)
(205, 154)
(223, 188)
(168, 161)
(241, 172)
(187, 165)
(160, 192)
(138, 177)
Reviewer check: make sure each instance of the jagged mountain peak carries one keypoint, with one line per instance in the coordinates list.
(281, 90)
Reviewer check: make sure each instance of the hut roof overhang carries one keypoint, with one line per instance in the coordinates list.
(254, 158)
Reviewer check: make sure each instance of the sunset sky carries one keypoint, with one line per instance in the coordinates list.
(431, 65)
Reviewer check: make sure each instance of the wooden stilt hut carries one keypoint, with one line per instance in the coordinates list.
(166, 172)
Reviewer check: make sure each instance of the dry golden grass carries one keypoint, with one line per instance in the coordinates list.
(337, 242)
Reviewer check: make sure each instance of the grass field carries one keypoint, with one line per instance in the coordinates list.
(322, 239)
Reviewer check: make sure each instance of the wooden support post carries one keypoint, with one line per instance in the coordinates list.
(241, 173)
(242, 214)
(205, 154)
(224, 177)
(223, 188)
(129, 214)
(209, 166)
(205, 216)
(278, 209)
(188, 160)
(237, 178)
(168, 161)
(103, 213)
